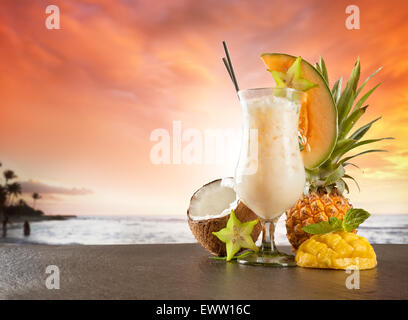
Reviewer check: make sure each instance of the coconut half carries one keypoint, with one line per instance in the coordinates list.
(209, 211)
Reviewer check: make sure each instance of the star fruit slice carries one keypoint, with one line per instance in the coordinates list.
(292, 78)
(237, 235)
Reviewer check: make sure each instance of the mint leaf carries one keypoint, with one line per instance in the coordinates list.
(335, 223)
(353, 218)
(323, 227)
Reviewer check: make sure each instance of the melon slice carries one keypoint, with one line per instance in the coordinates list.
(318, 113)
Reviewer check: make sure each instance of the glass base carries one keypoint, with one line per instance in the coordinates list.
(269, 259)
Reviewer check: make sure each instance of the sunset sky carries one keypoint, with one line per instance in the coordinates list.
(78, 104)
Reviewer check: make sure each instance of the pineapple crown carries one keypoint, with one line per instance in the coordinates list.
(332, 173)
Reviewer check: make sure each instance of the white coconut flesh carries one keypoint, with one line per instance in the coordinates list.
(213, 200)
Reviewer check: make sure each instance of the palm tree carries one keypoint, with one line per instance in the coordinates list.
(35, 197)
(3, 197)
(3, 215)
(14, 190)
(9, 175)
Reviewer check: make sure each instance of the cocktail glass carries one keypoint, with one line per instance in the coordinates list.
(270, 175)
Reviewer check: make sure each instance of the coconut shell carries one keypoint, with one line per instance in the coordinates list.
(203, 229)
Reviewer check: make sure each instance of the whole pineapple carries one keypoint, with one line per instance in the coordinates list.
(312, 208)
(325, 185)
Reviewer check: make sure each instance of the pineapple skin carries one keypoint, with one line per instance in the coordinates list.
(336, 250)
(316, 207)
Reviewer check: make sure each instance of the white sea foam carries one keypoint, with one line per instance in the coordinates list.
(131, 230)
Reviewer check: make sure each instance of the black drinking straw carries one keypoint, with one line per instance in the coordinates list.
(228, 65)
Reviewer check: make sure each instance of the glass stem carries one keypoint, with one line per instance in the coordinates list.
(268, 237)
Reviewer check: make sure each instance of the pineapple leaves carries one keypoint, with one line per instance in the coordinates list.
(365, 97)
(355, 181)
(355, 75)
(359, 133)
(336, 91)
(347, 145)
(335, 175)
(359, 154)
(341, 148)
(343, 143)
(361, 143)
(323, 70)
(349, 93)
(347, 99)
(350, 108)
(352, 219)
(346, 186)
(345, 164)
(340, 185)
(344, 101)
(351, 121)
(347, 108)
(317, 67)
(366, 80)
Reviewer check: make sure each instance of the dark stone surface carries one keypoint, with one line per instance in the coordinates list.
(184, 271)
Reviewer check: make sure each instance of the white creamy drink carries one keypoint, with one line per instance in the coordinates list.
(270, 178)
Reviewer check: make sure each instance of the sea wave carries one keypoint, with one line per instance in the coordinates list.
(163, 229)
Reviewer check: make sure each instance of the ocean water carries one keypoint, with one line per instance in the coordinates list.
(134, 230)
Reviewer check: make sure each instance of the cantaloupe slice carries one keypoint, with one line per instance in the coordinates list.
(318, 114)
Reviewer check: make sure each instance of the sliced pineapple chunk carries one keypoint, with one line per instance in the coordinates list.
(336, 250)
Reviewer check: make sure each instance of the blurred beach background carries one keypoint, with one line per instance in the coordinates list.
(160, 229)
(79, 105)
